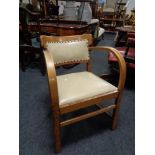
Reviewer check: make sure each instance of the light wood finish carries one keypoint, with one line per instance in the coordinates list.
(85, 116)
(86, 103)
(58, 110)
(100, 107)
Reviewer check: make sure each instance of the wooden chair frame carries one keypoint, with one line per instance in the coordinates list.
(58, 110)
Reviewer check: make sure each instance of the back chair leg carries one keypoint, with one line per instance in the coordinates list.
(57, 134)
(115, 113)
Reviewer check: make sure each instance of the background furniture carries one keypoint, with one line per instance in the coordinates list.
(96, 31)
(121, 36)
(130, 19)
(109, 7)
(50, 26)
(28, 54)
(79, 90)
(128, 52)
(47, 24)
(111, 22)
(112, 14)
(25, 15)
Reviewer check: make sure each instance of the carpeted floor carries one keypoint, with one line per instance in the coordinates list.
(89, 137)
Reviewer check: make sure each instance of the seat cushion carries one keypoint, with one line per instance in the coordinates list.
(82, 85)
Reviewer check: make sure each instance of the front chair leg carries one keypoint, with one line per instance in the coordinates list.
(57, 134)
(115, 113)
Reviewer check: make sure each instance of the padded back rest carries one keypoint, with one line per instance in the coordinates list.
(68, 49)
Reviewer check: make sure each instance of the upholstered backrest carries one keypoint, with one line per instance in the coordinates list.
(68, 51)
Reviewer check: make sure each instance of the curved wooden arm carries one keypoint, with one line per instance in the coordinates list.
(52, 80)
(121, 62)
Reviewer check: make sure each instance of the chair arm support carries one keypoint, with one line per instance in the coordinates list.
(51, 78)
(121, 62)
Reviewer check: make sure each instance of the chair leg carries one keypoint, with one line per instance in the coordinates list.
(57, 134)
(115, 113)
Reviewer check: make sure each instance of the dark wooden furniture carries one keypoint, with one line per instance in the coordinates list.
(49, 8)
(59, 28)
(120, 10)
(128, 52)
(94, 7)
(59, 109)
(24, 16)
(49, 25)
(111, 23)
(28, 54)
(121, 36)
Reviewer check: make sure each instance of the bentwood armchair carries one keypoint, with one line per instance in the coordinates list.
(78, 90)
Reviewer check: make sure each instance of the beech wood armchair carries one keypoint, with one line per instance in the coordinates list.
(78, 90)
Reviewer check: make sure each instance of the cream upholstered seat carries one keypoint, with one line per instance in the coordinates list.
(76, 87)
(79, 90)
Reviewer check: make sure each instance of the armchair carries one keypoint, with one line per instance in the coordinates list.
(74, 91)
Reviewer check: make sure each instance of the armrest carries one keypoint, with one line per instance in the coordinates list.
(52, 80)
(120, 59)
